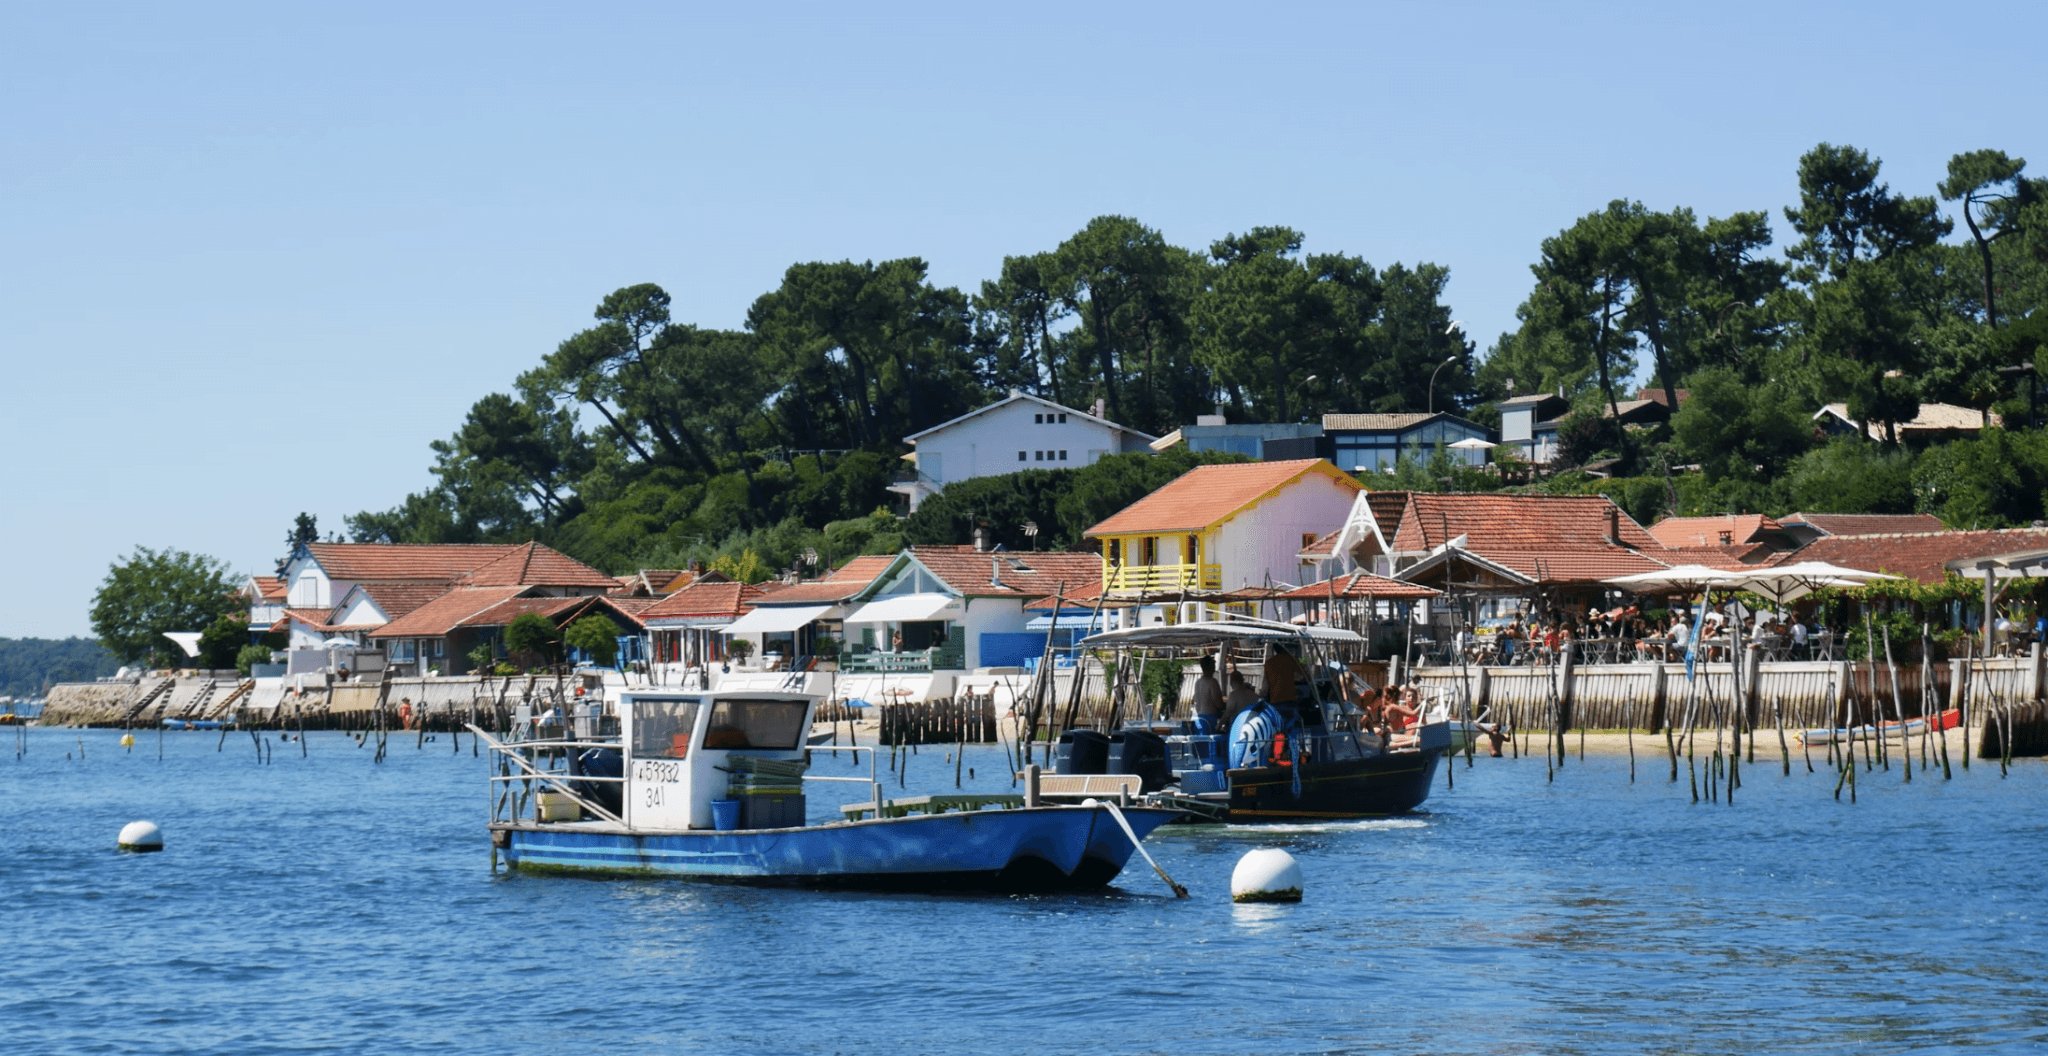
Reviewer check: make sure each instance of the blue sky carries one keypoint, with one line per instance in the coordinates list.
(257, 256)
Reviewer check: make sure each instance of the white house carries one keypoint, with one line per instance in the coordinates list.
(1222, 528)
(1021, 432)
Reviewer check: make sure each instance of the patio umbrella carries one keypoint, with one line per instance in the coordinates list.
(1785, 583)
(1678, 579)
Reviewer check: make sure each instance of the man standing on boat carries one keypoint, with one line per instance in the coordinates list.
(1208, 697)
(1282, 672)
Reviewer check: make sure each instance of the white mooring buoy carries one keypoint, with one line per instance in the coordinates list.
(1267, 874)
(141, 836)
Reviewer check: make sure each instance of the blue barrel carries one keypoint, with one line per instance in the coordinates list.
(1081, 752)
(725, 814)
(602, 762)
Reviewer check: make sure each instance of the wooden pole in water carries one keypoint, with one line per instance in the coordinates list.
(1891, 668)
(1628, 722)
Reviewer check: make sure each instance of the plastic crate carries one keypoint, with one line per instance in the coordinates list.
(771, 812)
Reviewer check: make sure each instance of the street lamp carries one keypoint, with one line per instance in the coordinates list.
(1432, 381)
(1303, 384)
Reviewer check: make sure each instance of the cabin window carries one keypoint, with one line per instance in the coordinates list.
(1020, 456)
(1194, 549)
(662, 728)
(401, 651)
(1148, 553)
(1063, 419)
(1063, 455)
(1038, 419)
(772, 724)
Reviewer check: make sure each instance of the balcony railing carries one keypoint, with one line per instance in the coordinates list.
(940, 658)
(1149, 578)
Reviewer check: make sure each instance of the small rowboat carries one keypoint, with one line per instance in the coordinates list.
(1947, 720)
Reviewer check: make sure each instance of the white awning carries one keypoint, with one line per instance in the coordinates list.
(899, 608)
(777, 619)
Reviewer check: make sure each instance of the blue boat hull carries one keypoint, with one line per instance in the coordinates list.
(1033, 849)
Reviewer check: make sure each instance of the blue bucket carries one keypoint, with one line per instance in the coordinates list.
(725, 814)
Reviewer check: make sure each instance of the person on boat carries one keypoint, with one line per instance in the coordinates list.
(1403, 713)
(1251, 735)
(1208, 698)
(1282, 672)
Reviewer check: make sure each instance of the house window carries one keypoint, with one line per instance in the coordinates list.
(1038, 419)
(1308, 539)
(1148, 553)
(1063, 454)
(440, 648)
(1020, 456)
(1037, 456)
(1063, 419)
(1194, 549)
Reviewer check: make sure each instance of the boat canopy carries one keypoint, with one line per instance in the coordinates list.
(1202, 635)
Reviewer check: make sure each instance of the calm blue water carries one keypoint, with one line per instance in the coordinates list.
(325, 904)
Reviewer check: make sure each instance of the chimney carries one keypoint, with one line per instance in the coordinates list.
(1613, 523)
(1014, 393)
(1098, 407)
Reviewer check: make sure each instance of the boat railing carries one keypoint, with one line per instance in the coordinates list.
(517, 781)
(869, 780)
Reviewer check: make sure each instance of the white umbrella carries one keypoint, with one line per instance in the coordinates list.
(1679, 579)
(1473, 443)
(1784, 583)
(338, 642)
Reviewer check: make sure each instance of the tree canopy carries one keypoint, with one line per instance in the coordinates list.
(154, 591)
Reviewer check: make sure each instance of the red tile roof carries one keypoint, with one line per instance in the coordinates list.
(534, 565)
(270, 588)
(1322, 547)
(1387, 509)
(1534, 524)
(1015, 573)
(816, 592)
(1918, 555)
(720, 598)
(1733, 557)
(445, 562)
(1360, 585)
(397, 599)
(506, 611)
(314, 618)
(445, 613)
(1574, 566)
(1723, 530)
(1867, 523)
(863, 569)
(1208, 495)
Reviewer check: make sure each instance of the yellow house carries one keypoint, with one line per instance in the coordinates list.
(1223, 527)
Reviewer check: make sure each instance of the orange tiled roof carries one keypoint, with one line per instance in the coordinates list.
(1732, 557)
(511, 609)
(1014, 573)
(816, 592)
(314, 618)
(1575, 566)
(1360, 585)
(1206, 495)
(534, 565)
(359, 562)
(1321, 548)
(1867, 523)
(720, 598)
(445, 613)
(397, 599)
(1917, 555)
(1534, 524)
(270, 588)
(1738, 528)
(863, 569)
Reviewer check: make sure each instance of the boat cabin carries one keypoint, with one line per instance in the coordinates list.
(685, 751)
